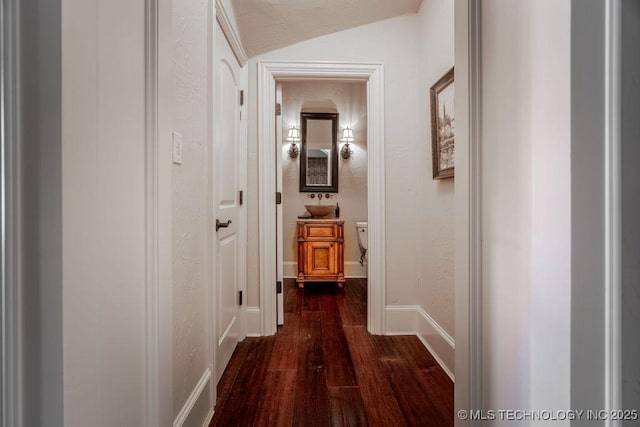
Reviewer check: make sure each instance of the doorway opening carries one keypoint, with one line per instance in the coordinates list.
(372, 76)
(304, 176)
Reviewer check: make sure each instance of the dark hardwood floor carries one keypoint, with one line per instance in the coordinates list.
(323, 368)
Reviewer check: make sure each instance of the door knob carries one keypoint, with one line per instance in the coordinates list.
(220, 225)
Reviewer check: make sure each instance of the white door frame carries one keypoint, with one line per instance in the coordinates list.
(468, 197)
(11, 325)
(158, 214)
(279, 215)
(268, 72)
(613, 208)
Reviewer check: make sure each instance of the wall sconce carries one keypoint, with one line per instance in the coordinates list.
(347, 137)
(293, 136)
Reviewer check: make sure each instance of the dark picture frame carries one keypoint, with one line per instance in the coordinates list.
(443, 127)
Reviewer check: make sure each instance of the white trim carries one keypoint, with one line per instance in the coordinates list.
(352, 270)
(447, 369)
(207, 420)
(211, 250)
(402, 320)
(468, 252)
(475, 204)
(290, 270)
(279, 216)
(253, 322)
(224, 19)
(151, 213)
(158, 250)
(226, 331)
(373, 74)
(193, 399)
(266, 194)
(243, 213)
(439, 343)
(413, 320)
(12, 261)
(613, 284)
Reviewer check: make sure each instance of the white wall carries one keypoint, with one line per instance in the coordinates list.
(551, 205)
(190, 184)
(408, 168)
(506, 206)
(526, 206)
(434, 198)
(350, 100)
(103, 206)
(630, 204)
(390, 42)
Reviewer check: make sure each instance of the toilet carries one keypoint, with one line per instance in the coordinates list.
(363, 240)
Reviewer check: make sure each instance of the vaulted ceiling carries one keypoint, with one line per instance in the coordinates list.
(265, 25)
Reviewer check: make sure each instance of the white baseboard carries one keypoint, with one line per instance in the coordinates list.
(439, 343)
(401, 319)
(290, 270)
(413, 320)
(207, 420)
(352, 270)
(253, 322)
(184, 413)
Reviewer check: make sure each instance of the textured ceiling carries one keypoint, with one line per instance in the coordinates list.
(266, 25)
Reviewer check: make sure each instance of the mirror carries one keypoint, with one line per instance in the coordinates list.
(319, 153)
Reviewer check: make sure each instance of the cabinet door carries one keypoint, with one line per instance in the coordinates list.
(321, 258)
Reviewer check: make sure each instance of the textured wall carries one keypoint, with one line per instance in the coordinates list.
(410, 190)
(350, 99)
(434, 198)
(189, 197)
(391, 42)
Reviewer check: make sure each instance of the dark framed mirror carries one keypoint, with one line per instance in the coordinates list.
(319, 153)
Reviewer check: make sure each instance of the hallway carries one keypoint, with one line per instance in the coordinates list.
(323, 368)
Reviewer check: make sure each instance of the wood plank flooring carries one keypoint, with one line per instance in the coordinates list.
(323, 368)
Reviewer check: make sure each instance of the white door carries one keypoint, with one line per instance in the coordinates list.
(226, 150)
(279, 213)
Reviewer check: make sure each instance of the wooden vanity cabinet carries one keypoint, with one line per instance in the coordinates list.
(320, 251)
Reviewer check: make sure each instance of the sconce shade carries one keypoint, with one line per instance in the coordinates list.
(347, 135)
(293, 135)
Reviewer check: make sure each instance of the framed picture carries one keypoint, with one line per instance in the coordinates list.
(443, 127)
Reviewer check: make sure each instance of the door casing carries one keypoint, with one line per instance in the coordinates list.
(373, 75)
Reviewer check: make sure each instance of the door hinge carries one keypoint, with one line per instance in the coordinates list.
(241, 97)
(278, 287)
(278, 109)
(240, 197)
(239, 297)
(278, 198)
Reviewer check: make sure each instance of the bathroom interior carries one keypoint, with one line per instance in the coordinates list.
(322, 185)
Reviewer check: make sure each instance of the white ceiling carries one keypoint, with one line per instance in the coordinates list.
(266, 25)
